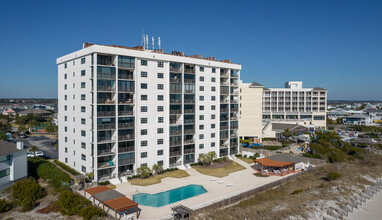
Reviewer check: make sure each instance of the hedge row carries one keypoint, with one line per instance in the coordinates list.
(56, 177)
(67, 168)
(164, 171)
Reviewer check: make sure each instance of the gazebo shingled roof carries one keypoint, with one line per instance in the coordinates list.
(271, 163)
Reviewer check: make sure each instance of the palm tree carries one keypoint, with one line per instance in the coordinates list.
(33, 149)
(203, 159)
(211, 156)
(144, 171)
(157, 168)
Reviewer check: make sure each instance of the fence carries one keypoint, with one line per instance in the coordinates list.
(252, 192)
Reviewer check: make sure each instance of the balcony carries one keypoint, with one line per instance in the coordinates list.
(189, 141)
(175, 90)
(189, 151)
(126, 125)
(189, 81)
(234, 101)
(224, 101)
(223, 137)
(124, 113)
(176, 112)
(223, 118)
(188, 69)
(175, 80)
(107, 164)
(234, 83)
(234, 109)
(126, 149)
(189, 111)
(106, 88)
(224, 110)
(126, 76)
(126, 89)
(176, 101)
(189, 91)
(189, 121)
(105, 152)
(126, 161)
(234, 75)
(105, 114)
(189, 131)
(189, 101)
(175, 143)
(234, 126)
(106, 75)
(106, 126)
(224, 127)
(175, 132)
(224, 82)
(126, 137)
(128, 101)
(105, 101)
(175, 153)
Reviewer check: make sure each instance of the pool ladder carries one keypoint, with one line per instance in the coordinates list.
(137, 191)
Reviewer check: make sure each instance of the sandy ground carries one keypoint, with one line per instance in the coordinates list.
(242, 181)
(370, 210)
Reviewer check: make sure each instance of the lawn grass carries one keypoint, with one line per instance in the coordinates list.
(111, 186)
(245, 159)
(221, 172)
(260, 175)
(157, 178)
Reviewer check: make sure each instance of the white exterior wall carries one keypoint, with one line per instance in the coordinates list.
(74, 137)
(17, 166)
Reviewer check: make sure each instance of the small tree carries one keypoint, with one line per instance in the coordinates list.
(157, 168)
(26, 192)
(211, 156)
(144, 171)
(33, 149)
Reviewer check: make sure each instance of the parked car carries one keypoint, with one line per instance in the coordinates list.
(38, 153)
(30, 154)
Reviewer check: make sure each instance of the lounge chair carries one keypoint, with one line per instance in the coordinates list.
(220, 182)
(229, 184)
(213, 180)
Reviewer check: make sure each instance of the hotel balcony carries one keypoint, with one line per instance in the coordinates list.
(176, 101)
(126, 149)
(189, 81)
(175, 143)
(189, 101)
(126, 161)
(125, 137)
(176, 112)
(175, 153)
(106, 152)
(106, 126)
(189, 141)
(189, 121)
(105, 113)
(105, 101)
(126, 125)
(106, 164)
(189, 151)
(189, 111)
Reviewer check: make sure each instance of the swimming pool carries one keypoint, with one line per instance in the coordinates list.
(170, 196)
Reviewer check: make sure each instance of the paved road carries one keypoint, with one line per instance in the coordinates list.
(44, 144)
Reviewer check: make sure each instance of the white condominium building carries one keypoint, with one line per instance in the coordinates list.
(295, 104)
(121, 108)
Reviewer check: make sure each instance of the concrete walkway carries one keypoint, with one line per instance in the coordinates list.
(241, 181)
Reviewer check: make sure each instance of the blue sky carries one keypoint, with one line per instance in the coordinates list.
(333, 44)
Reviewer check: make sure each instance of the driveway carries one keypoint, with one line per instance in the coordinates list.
(44, 144)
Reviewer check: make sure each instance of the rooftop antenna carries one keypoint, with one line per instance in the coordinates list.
(159, 42)
(147, 41)
(152, 42)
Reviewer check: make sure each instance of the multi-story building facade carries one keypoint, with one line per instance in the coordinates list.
(13, 162)
(120, 108)
(295, 104)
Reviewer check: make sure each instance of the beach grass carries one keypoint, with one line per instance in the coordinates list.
(222, 171)
(111, 186)
(157, 178)
(247, 160)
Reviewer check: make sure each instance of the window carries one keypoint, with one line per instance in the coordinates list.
(201, 117)
(160, 162)
(143, 143)
(212, 135)
(66, 97)
(160, 119)
(82, 85)
(160, 75)
(83, 133)
(213, 116)
(213, 107)
(201, 78)
(65, 107)
(144, 62)
(66, 139)
(143, 108)
(212, 144)
(83, 121)
(66, 65)
(83, 60)
(144, 74)
(83, 145)
(74, 85)
(4, 173)
(74, 97)
(74, 152)
(65, 118)
(213, 79)
(201, 136)
(143, 85)
(143, 154)
(143, 120)
(65, 76)
(83, 157)
(201, 146)
(74, 130)
(201, 127)
(143, 164)
(65, 87)
(213, 98)
(201, 88)
(159, 152)
(83, 168)
(201, 98)
(319, 117)
(66, 129)
(213, 70)
(160, 97)
(83, 109)
(213, 89)
(82, 72)
(83, 96)
(213, 126)
(5, 158)
(160, 130)
(144, 97)
(160, 108)
(160, 64)
(66, 160)
(144, 132)
(66, 150)
(201, 108)
(201, 69)
(160, 141)
(160, 86)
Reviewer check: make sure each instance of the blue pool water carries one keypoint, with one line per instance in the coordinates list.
(168, 197)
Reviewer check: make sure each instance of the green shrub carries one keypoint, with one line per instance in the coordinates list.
(71, 203)
(269, 139)
(67, 168)
(238, 155)
(5, 206)
(104, 183)
(245, 156)
(297, 191)
(56, 177)
(225, 158)
(195, 164)
(91, 211)
(33, 164)
(26, 192)
(333, 176)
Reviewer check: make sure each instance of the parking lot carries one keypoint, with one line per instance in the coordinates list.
(44, 144)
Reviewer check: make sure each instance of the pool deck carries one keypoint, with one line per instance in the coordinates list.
(241, 181)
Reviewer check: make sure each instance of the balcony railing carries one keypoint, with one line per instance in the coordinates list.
(175, 153)
(177, 80)
(175, 132)
(175, 112)
(125, 113)
(175, 90)
(175, 69)
(126, 89)
(175, 143)
(189, 151)
(189, 81)
(126, 161)
(224, 82)
(106, 88)
(189, 70)
(105, 126)
(189, 91)
(234, 126)
(189, 131)
(105, 114)
(126, 149)
(223, 118)
(176, 101)
(223, 137)
(233, 118)
(126, 125)
(234, 109)
(224, 110)
(189, 111)
(106, 164)
(126, 137)
(106, 75)
(187, 101)
(223, 100)
(106, 152)
(189, 141)
(126, 76)
(126, 101)
(223, 127)
(105, 101)
(189, 121)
